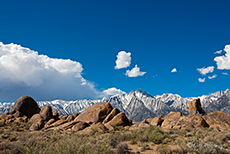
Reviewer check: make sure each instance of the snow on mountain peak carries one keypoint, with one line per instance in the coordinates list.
(137, 104)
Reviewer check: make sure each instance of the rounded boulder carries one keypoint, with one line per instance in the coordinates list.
(26, 105)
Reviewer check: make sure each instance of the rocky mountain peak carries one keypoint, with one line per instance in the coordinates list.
(227, 91)
(140, 93)
(139, 105)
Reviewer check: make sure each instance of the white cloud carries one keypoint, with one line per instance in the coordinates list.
(174, 70)
(223, 62)
(123, 60)
(135, 72)
(225, 73)
(218, 52)
(204, 70)
(25, 72)
(112, 92)
(212, 77)
(201, 80)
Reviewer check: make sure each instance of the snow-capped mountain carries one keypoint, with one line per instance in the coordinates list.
(139, 105)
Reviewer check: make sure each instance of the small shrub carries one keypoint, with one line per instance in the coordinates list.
(163, 149)
(144, 138)
(10, 148)
(126, 136)
(133, 141)
(167, 140)
(227, 135)
(122, 148)
(113, 141)
(145, 147)
(151, 133)
(157, 136)
(197, 146)
(93, 131)
(118, 128)
(180, 141)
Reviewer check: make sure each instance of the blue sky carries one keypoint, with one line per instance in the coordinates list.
(159, 35)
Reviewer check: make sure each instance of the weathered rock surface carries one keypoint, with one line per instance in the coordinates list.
(95, 113)
(110, 116)
(2, 121)
(37, 125)
(119, 120)
(17, 114)
(26, 105)
(55, 114)
(9, 116)
(144, 121)
(35, 117)
(46, 113)
(109, 127)
(4, 115)
(195, 106)
(138, 125)
(157, 121)
(190, 122)
(218, 120)
(70, 118)
(63, 117)
(75, 115)
(55, 124)
(80, 126)
(65, 126)
(95, 126)
(50, 122)
(171, 119)
(19, 120)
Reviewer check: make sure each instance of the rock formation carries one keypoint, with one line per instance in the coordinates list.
(95, 113)
(157, 121)
(37, 125)
(171, 119)
(46, 113)
(55, 115)
(218, 120)
(103, 118)
(110, 116)
(80, 126)
(195, 106)
(138, 125)
(191, 121)
(26, 106)
(35, 117)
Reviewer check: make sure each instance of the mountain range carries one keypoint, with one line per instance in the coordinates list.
(139, 105)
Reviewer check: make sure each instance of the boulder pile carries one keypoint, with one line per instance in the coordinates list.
(103, 118)
(176, 120)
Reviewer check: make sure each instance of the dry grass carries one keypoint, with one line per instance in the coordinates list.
(17, 139)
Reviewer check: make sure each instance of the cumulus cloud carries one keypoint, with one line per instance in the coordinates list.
(218, 52)
(204, 70)
(25, 72)
(112, 92)
(223, 62)
(212, 77)
(123, 60)
(225, 73)
(201, 80)
(135, 72)
(174, 70)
